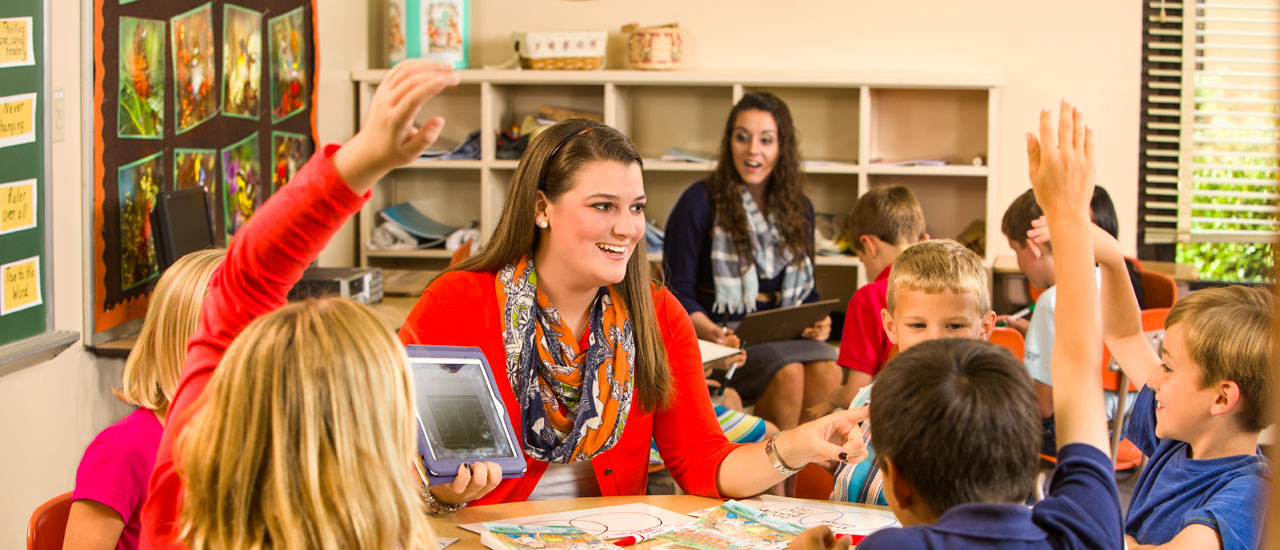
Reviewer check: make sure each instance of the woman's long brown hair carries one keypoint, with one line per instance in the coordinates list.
(784, 190)
(516, 235)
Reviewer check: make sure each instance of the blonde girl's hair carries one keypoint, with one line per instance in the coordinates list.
(152, 370)
(550, 165)
(305, 438)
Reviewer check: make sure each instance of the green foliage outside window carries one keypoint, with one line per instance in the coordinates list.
(1234, 261)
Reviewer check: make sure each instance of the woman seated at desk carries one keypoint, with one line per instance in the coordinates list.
(593, 357)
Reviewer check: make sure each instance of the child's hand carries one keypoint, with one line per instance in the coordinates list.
(1106, 249)
(819, 538)
(1061, 165)
(389, 138)
(1020, 324)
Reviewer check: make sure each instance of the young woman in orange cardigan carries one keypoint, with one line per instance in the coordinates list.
(593, 356)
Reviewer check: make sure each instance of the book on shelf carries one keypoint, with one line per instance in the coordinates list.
(911, 162)
(687, 155)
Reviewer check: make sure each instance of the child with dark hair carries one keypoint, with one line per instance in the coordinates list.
(1025, 227)
(956, 419)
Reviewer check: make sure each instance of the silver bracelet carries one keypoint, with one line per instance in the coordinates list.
(436, 507)
(775, 459)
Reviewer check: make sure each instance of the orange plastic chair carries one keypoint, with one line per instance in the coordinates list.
(48, 523)
(814, 482)
(1009, 339)
(462, 253)
(1158, 290)
(1153, 320)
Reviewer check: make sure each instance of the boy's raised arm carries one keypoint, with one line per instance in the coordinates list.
(1062, 175)
(1121, 318)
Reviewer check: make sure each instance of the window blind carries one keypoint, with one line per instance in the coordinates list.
(1210, 167)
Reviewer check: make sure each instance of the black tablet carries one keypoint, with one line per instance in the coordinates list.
(461, 416)
(784, 323)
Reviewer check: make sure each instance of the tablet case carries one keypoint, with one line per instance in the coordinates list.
(784, 323)
(443, 471)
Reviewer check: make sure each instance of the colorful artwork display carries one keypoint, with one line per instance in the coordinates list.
(241, 182)
(289, 87)
(289, 152)
(139, 183)
(193, 168)
(241, 61)
(193, 68)
(140, 112)
(163, 73)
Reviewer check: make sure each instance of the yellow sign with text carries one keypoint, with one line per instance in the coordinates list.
(17, 206)
(17, 119)
(15, 42)
(20, 285)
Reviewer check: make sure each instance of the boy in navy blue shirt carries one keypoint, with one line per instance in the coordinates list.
(957, 421)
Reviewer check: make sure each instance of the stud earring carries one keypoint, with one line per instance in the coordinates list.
(542, 222)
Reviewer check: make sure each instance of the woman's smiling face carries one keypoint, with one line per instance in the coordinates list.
(755, 145)
(596, 224)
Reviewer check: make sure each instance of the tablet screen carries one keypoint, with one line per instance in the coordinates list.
(459, 413)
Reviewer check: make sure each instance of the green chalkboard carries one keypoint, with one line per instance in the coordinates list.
(23, 158)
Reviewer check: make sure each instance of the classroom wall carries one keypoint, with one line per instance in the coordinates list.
(1088, 51)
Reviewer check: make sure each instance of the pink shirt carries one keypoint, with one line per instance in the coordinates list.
(116, 467)
(864, 346)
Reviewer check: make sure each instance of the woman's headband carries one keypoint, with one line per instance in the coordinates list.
(542, 182)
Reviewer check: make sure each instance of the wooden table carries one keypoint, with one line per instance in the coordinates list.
(447, 526)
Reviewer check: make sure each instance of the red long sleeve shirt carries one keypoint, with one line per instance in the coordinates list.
(461, 309)
(265, 259)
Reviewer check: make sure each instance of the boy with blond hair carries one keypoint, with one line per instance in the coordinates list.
(958, 417)
(936, 289)
(884, 222)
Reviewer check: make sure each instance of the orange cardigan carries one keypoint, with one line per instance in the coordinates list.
(461, 309)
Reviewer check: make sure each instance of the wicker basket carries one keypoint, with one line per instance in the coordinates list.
(561, 50)
(654, 47)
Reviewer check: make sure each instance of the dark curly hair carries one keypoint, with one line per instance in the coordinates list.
(784, 190)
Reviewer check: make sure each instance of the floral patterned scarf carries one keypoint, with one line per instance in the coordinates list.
(573, 402)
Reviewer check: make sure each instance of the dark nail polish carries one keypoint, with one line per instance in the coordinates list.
(844, 457)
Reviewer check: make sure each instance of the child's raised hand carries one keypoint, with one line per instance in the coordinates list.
(389, 137)
(1061, 163)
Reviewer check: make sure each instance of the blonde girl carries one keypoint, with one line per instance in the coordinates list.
(112, 478)
(293, 425)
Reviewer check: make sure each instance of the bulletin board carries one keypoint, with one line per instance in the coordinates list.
(189, 93)
(26, 308)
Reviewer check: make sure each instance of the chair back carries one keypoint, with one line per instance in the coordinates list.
(1152, 322)
(463, 252)
(48, 523)
(1009, 339)
(1158, 290)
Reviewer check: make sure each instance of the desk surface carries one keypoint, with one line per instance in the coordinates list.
(447, 526)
